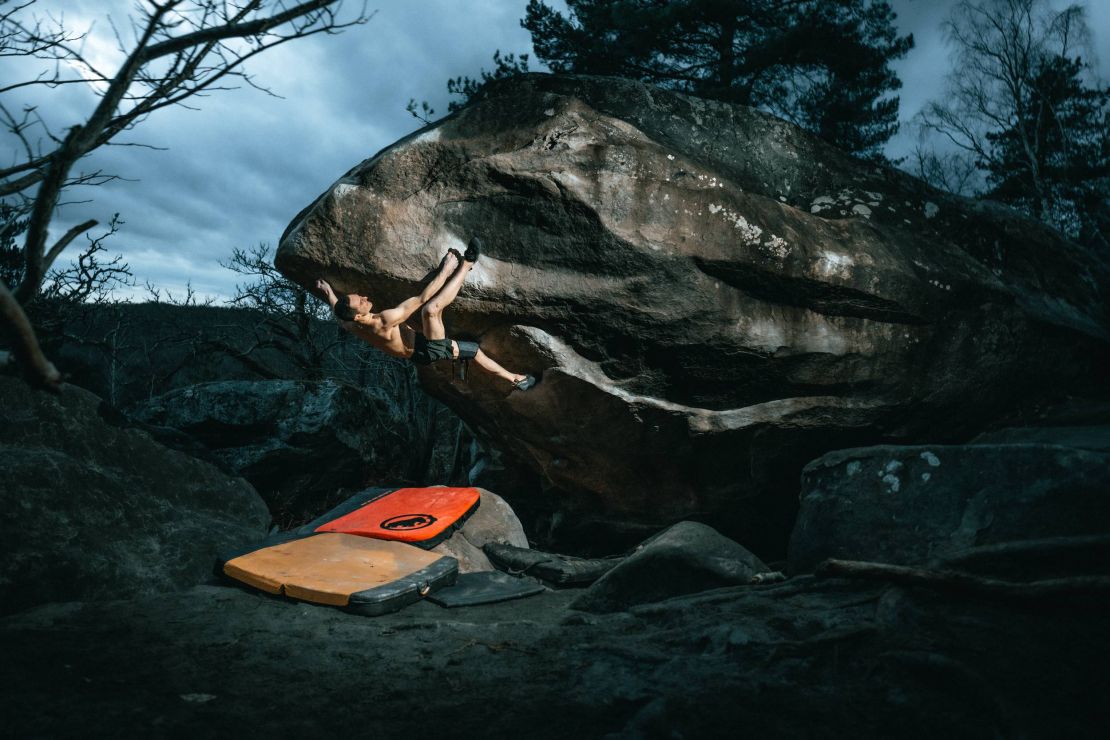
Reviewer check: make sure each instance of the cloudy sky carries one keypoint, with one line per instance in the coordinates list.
(234, 172)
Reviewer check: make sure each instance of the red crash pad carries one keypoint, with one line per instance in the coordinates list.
(419, 516)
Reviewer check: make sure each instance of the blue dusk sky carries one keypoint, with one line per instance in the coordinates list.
(235, 171)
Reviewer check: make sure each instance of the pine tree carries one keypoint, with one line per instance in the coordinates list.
(822, 65)
(1064, 179)
(1024, 106)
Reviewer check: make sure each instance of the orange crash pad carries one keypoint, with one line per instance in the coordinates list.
(364, 575)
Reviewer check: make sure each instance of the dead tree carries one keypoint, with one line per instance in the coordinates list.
(291, 321)
(180, 48)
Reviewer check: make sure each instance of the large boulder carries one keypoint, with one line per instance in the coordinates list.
(93, 510)
(912, 505)
(711, 296)
(302, 444)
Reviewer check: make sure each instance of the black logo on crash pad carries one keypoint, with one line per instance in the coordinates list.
(406, 522)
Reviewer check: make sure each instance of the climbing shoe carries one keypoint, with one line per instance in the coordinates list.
(524, 383)
(473, 250)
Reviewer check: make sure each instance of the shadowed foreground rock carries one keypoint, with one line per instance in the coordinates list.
(912, 505)
(92, 510)
(711, 296)
(805, 658)
(494, 521)
(299, 442)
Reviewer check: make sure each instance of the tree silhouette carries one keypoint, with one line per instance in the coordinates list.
(822, 65)
(1021, 105)
(177, 50)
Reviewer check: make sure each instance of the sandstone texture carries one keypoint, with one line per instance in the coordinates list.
(493, 522)
(93, 510)
(711, 296)
(913, 505)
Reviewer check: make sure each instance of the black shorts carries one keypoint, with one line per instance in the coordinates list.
(426, 351)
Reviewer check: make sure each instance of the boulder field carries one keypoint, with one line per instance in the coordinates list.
(304, 445)
(710, 296)
(95, 509)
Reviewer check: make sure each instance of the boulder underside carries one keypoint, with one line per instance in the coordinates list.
(710, 296)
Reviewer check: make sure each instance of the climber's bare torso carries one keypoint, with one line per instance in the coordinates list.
(396, 341)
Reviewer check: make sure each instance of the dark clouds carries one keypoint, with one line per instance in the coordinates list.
(241, 167)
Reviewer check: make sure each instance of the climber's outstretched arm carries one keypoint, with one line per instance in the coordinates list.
(329, 294)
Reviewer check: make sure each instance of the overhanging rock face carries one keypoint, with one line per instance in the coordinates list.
(711, 296)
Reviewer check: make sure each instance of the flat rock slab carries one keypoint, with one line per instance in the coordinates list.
(1094, 437)
(910, 505)
(686, 558)
(98, 511)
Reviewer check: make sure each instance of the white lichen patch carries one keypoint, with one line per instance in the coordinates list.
(893, 482)
(821, 203)
(670, 156)
(930, 458)
(854, 467)
(847, 202)
(925, 477)
(776, 246)
(940, 285)
(750, 234)
(931, 209)
(549, 112)
(428, 137)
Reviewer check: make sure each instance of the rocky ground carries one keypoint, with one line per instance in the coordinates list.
(669, 643)
(804, 658)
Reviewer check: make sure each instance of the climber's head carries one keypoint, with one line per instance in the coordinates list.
(351, 305)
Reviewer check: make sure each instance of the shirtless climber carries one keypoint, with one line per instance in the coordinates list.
(387, 330)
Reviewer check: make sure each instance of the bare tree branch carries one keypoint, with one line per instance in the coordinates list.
(61, 244)
(1081, 589)
(180, 49)
(40, 370)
